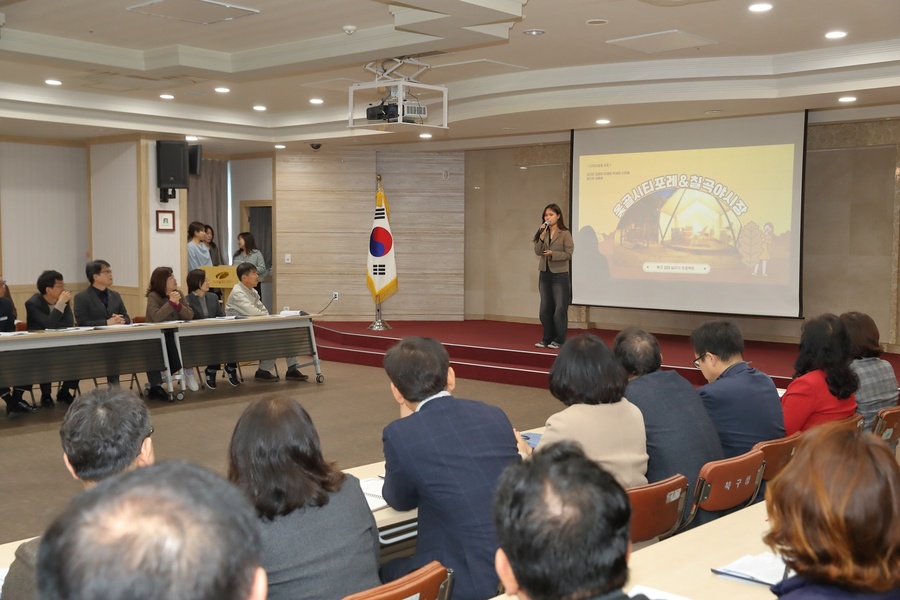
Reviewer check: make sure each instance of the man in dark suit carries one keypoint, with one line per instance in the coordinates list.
(742, 402)
(444, 456)
(98, 305)
(681, 437)
(49, 309)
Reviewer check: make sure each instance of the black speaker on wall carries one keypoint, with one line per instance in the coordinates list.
(195, 156)
(171, 164)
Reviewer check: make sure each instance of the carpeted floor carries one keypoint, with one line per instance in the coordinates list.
(350, 409)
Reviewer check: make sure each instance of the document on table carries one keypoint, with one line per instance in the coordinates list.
(765, 568)
(532, 439)
(371, 487)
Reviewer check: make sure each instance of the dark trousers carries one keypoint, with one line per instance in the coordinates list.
(554, 289)
(154, 377)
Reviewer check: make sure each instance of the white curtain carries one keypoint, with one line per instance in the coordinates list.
(208, 202)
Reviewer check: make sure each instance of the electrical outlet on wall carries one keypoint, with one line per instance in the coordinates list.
(287, 258)
(334, 295)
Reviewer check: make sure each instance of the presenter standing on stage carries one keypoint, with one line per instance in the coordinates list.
(553, 244)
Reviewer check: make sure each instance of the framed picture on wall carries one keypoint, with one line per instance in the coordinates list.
(165, 220)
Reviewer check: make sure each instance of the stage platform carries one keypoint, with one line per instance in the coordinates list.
(505, 353)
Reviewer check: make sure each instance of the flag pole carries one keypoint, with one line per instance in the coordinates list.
(378, 324)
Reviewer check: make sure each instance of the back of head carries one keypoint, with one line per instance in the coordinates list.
(825, 345)
(587, 372)
(864, 337)
(166, 531)
(275, 457)
(562, 522)
(834, 510)
(722, 338)
(417, 367)
(637, 351)
(102, 432)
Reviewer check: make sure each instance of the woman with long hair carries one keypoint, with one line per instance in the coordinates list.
(877, 380)
(164, 303)
(588, 379)
(248, 252)
(319, 536)
(214, 254)
(197, 251)
(834, 513)
(824, 384)
(553, 244)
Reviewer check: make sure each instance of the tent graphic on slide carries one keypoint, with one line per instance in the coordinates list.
(680, 219)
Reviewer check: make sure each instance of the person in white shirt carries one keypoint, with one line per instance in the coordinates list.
(244, 301)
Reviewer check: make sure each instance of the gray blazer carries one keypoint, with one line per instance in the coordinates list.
(90, 312)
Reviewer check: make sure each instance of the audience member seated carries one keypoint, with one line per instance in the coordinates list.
(197, 251)
(164, 304)
(244, 301)
(106, 431)
(319, 538)
(823, 384)
(742, 402)
(834, 513)
(49, 309)
(173, 530)
(681, 437)
(562, 525)
(15, 403)
(587, 378)
(206, 306)
(444, 456)
(877, 381)
(99, 305)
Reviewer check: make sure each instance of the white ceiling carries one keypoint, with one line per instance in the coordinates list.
(653, 61)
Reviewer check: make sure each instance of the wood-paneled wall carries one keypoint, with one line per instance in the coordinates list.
(324, 206)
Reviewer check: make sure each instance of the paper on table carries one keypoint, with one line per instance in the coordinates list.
(371, 488)
(532, 439)
(654, 594)
(766, 568)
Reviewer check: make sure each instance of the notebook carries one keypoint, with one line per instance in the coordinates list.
(371, 487)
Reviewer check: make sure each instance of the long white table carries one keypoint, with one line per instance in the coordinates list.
(86, 352)
(681, 564)
(393, 525)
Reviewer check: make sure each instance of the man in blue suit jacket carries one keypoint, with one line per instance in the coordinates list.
(742, 402)
(444, 456)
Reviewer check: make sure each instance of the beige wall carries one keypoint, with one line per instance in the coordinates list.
(850, 234)
(324, 206)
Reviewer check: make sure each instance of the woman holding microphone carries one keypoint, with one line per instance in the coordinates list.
(553, 244)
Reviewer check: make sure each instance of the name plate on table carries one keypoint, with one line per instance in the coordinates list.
(221, 277)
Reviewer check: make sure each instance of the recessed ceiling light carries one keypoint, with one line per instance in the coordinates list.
(847, 99)
(602, 121)
(53, 82)
(836, 35)
(316, 101)
(759, 7)
(191, 138)
(714, 111)
(596, 22)
(534, 32)
(523, 168)
(167, 96)
(223, 90)
(259, 107)
(425, 136)
(280, 146)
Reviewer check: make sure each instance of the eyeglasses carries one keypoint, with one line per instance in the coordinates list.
(106, 271)
(696, 362)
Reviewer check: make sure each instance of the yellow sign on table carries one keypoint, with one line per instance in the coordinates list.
(221, 277)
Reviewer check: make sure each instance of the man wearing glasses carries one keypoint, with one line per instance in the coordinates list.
(105, 432)
(741, 401)
(98, 305)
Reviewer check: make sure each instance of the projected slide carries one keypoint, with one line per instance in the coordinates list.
(708, 229)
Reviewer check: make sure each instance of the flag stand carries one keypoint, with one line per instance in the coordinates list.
(378, 324)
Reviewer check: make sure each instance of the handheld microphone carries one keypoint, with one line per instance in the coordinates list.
(546, 223)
